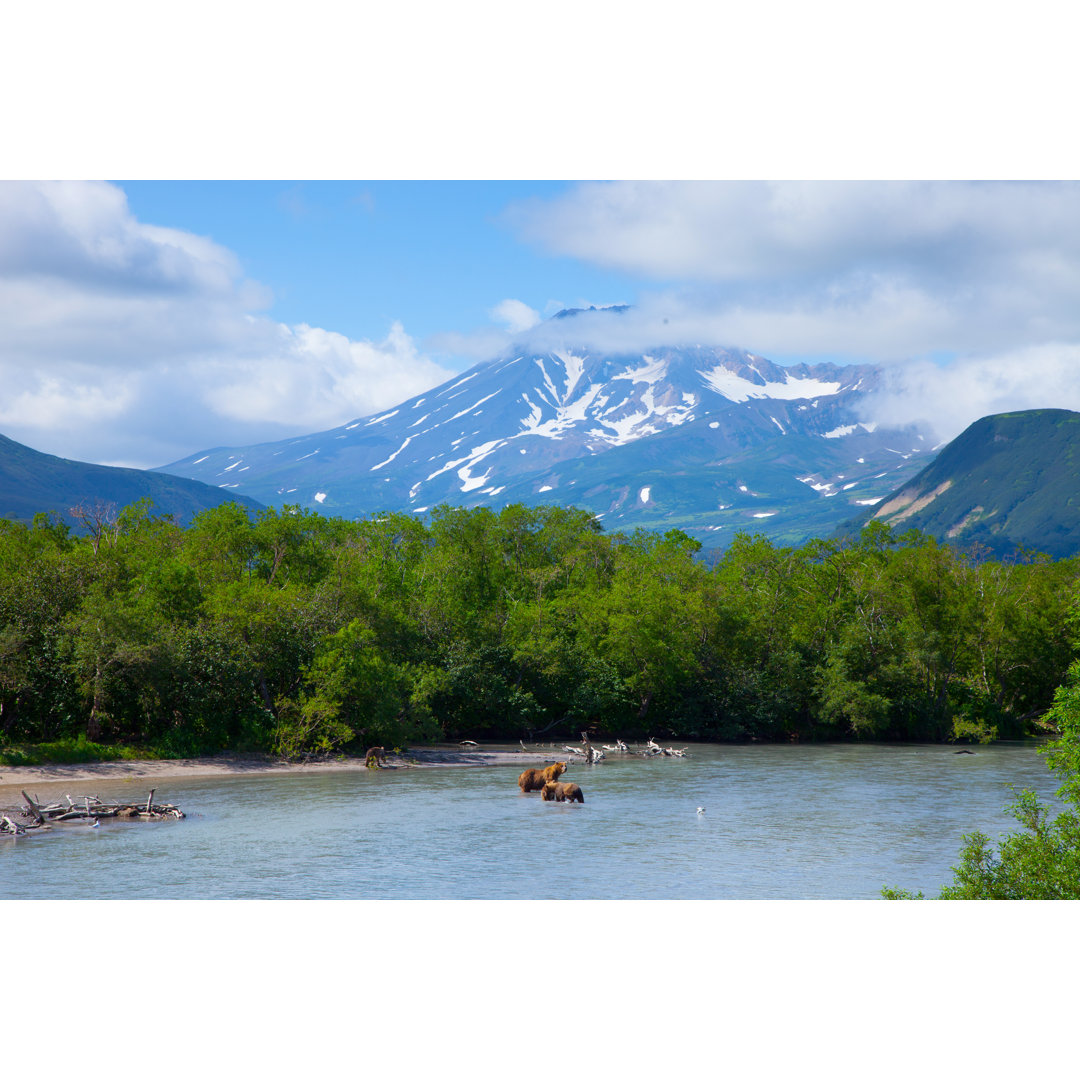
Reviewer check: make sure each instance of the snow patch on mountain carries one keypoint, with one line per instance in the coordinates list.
(574, 367)
(476, 455)
(847, 429)
(652, 371)
(394, 454)
(735, 387)
(825, 487)
(627, 429)
(383, 418)
(471, 375)
(476, 406)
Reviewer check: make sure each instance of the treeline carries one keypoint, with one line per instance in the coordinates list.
(295, 633)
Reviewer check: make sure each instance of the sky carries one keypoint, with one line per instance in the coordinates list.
(141, 321)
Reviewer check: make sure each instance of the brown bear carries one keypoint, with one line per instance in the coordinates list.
(535, 779)
(561, 793)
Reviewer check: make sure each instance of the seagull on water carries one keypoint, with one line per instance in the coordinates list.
(701, 809)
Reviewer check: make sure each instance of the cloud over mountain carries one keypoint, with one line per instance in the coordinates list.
(968, 288)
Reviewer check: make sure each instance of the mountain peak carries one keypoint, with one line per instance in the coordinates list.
(567, 313)
(702, 438)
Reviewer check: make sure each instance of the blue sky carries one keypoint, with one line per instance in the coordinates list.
(356, 257)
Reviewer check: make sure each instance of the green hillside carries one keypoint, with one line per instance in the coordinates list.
(1010, 480)
(32, 483)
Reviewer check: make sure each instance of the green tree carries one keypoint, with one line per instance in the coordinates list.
(354, 693)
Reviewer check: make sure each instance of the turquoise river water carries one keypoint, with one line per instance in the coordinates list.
(780, 822)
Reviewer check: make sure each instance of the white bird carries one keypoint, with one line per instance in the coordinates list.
(701, 809)
(94, 824)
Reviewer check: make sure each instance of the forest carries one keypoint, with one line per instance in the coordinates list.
(298, 634)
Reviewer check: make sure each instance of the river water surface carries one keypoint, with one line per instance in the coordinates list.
(780, 822)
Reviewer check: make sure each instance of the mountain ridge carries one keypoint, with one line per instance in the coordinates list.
(1009, 480)
(32, 482)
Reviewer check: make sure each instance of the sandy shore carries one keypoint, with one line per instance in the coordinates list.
(14, 779)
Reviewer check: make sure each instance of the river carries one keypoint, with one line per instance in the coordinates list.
(834, 821)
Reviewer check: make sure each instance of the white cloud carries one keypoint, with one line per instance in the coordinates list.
(868, 270)
(515, 315)
(951, 397)
(740, 230)
(128, 343)
(314, 371)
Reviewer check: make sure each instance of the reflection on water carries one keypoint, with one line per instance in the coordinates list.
(799, 822)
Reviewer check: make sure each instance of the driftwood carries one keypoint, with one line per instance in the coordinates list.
(654, 749)
(88, 808)
(590, 755)
(35, 813)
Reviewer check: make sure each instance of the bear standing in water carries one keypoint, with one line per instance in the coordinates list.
(535, 779)
(561, 793)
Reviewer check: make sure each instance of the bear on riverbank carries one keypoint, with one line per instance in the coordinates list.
(535, 779)
(561, 793)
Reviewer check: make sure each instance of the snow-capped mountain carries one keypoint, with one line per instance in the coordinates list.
(705, 439)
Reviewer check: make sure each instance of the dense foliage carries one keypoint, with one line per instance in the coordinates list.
(299, 633)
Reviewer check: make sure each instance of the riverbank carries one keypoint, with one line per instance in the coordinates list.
(15, 778)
